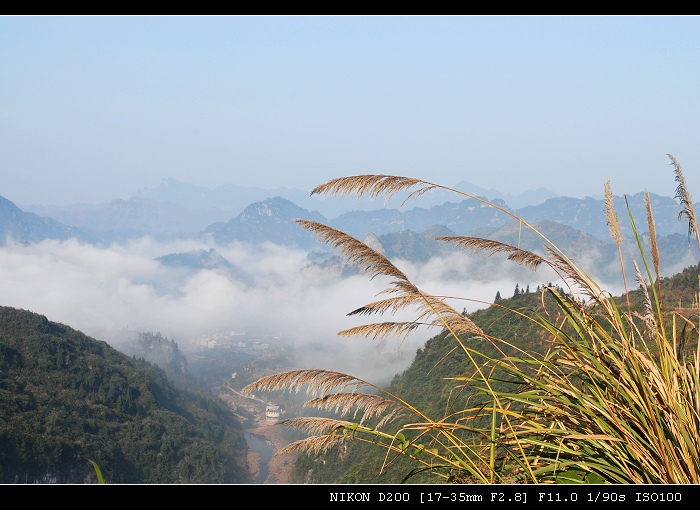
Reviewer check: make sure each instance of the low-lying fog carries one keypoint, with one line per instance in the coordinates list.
(272, 291)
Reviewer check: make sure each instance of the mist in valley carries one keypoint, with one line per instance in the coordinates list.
(266, 290)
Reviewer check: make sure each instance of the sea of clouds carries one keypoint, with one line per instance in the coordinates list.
(274, 291)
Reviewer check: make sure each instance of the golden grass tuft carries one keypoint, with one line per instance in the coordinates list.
(368, 405)
(322, 381)
(611, 215)
(326, 433)
(652, 234)
(683, 196)
(373, 186)
(355, 252)
(613, 399)
(524, 257)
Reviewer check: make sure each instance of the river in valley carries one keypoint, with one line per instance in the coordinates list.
(265, 450)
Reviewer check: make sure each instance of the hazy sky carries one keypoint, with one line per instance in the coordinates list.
(95, 108)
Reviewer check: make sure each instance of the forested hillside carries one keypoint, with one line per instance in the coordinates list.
(66, 398)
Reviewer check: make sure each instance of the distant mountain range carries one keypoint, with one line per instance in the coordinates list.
(121, 220)
(29, 227)
(235, 198)
(178, 210)
(270, 220)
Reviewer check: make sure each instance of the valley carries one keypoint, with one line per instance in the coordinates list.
(228, 366)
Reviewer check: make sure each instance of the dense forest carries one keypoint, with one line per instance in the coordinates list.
(67, 399)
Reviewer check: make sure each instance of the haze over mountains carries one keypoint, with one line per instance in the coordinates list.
(177, 210)
(207, 205)
(186, 260)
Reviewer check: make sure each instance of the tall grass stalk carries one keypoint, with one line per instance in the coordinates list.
(613, 399)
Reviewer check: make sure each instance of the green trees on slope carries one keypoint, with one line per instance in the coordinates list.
(66, 398)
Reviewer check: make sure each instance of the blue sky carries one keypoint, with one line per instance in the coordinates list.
(95, 108)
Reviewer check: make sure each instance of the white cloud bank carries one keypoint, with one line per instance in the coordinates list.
(102, 291)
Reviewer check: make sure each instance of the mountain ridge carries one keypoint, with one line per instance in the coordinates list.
(272, 220)
(163, 213)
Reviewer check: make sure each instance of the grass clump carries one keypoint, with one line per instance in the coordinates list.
(614, 398)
